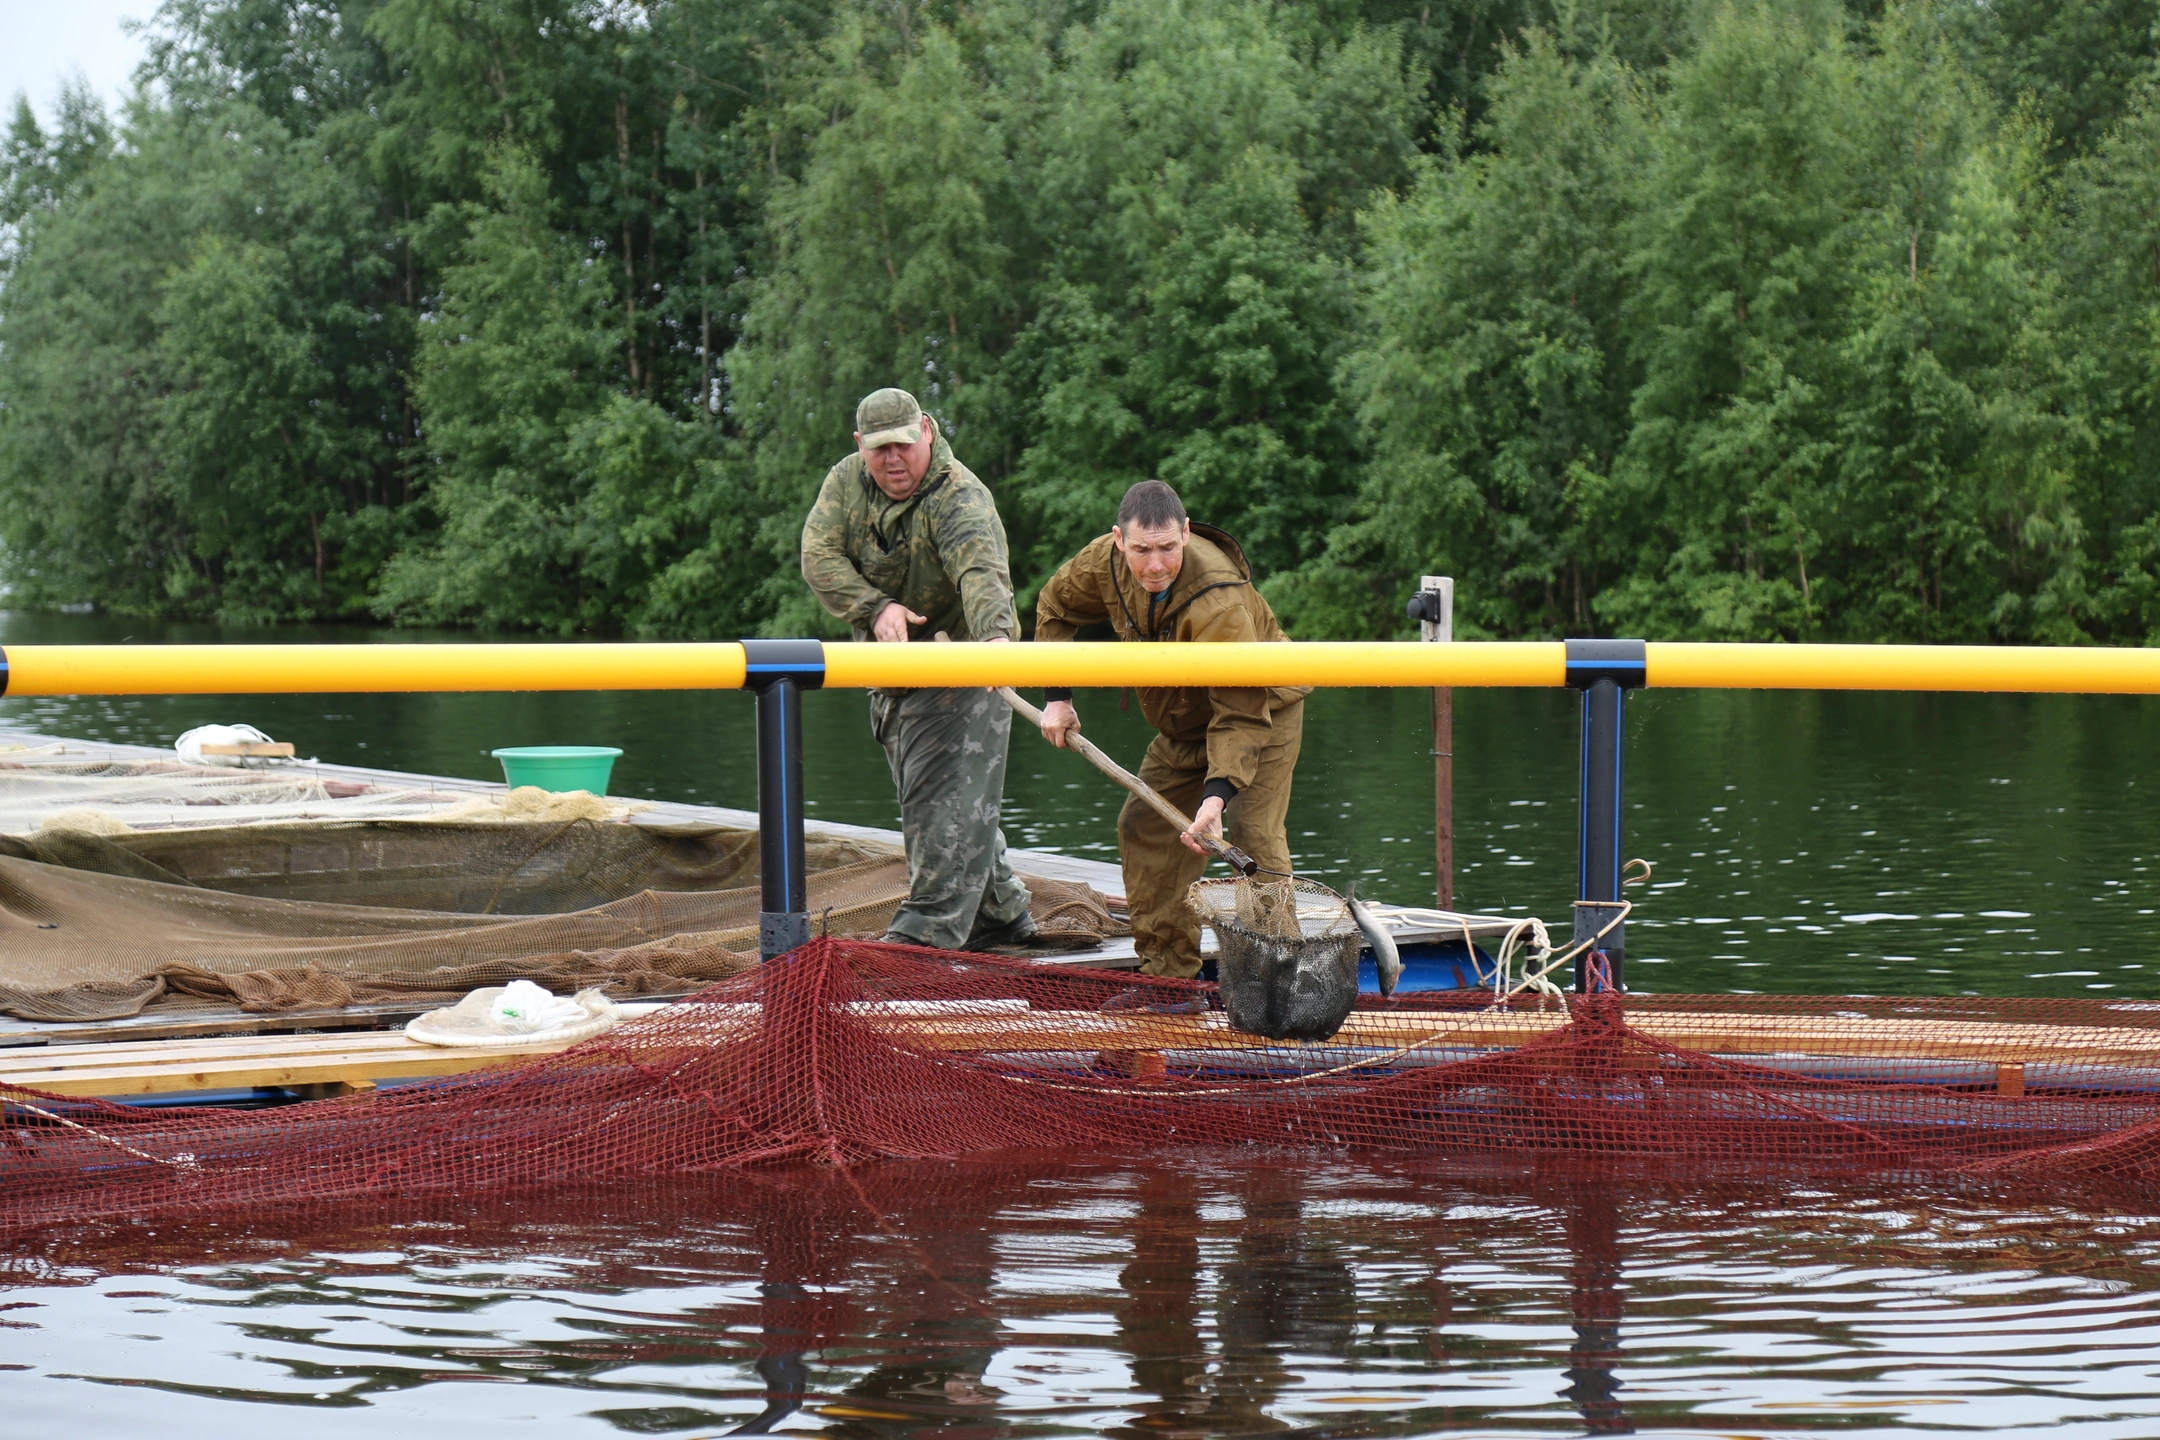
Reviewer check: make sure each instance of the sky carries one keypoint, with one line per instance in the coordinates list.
(45, 42)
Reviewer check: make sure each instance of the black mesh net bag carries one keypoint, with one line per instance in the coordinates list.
(1287, 956)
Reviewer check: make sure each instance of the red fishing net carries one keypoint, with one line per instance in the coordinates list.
(846, 1051)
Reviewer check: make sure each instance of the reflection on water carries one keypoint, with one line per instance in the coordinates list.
(1039, 1297)
(1805, 843)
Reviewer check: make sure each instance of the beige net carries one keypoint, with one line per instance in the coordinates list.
(38, 794)
(1287, 953)
(300, 917)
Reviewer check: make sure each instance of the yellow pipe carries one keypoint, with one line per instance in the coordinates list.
(317, 669)
(2089, 670)
(1364, 662)
(299, 669)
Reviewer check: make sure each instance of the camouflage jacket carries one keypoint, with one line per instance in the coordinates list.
(1212, 599)
(940, 552)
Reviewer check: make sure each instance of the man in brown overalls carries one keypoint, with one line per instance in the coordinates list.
(1225, 753)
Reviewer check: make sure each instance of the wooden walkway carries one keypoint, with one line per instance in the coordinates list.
(314, 1066)
(330, 1064)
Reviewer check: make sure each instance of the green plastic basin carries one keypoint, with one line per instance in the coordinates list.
(559, 767)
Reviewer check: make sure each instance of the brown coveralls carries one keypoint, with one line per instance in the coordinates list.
(1244, 740)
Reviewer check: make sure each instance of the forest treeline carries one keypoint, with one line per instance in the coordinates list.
(1722, 319)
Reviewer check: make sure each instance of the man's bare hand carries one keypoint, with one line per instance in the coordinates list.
(1207, 820)
(892, 622)
(1060, 721)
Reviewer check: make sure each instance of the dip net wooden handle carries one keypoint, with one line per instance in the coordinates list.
(1222, 850)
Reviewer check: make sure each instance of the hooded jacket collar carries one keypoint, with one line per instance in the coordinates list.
(1151, 615)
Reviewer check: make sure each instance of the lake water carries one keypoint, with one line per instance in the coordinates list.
(1046, 1298)
(1816, 843)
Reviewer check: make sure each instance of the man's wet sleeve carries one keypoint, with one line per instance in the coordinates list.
(1067, 601)
(971, 544)
(831, 575)
(1240, 725)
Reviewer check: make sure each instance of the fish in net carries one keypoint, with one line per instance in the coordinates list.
(1287, 953)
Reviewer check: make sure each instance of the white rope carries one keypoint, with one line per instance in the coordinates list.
(1542, 954)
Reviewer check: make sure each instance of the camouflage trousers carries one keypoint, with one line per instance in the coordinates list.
(947, 752)
(1158, 867)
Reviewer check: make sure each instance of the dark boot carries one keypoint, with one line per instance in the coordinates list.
(1016, 931)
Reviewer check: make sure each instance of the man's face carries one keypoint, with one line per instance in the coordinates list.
(1154, 554)
(898, 469)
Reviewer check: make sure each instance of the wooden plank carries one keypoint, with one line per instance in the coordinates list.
(352, 1058)
(1710, 1031)
(173, 1052)
(31, 1034)
(345, 1068)
(1075, 1030)
(229, 1022)
(1915, 1039)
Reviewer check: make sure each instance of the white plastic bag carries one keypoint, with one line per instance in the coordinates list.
(189, 746)
(524, 1008)
(501, 1017)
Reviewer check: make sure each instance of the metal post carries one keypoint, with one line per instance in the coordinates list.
(1442, 631)
(1604, 670)
(779, 671)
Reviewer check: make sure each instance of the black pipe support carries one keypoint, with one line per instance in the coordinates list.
(779, 671)
(1604, 670)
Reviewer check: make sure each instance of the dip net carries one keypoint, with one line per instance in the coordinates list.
(1287, 953)
(852, 1051)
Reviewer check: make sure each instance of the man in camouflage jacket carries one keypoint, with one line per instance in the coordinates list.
(1222, 751)
(902, 543)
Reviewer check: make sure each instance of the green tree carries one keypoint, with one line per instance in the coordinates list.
(1493, 374)
(523, 351)
(1727, 320)
(2079, 60)
(1192, 309)
(2110, 242)
(887, 267)
(1740, 265)
(199, 394)
(1851, 421)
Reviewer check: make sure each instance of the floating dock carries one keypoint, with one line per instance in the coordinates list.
(2007, 1058)
(331, 1051)
(315, 1054)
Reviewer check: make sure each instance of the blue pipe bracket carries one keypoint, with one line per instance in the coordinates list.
(779, 671)
(1604, 670)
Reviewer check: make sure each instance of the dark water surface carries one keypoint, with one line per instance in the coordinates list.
(1817, 843)
(1026, 1299)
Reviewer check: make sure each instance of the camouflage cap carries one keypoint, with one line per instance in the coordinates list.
(888, 417)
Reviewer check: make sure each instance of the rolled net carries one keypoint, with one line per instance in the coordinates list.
(848, 1051)
(323, 915)
(120, 795)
